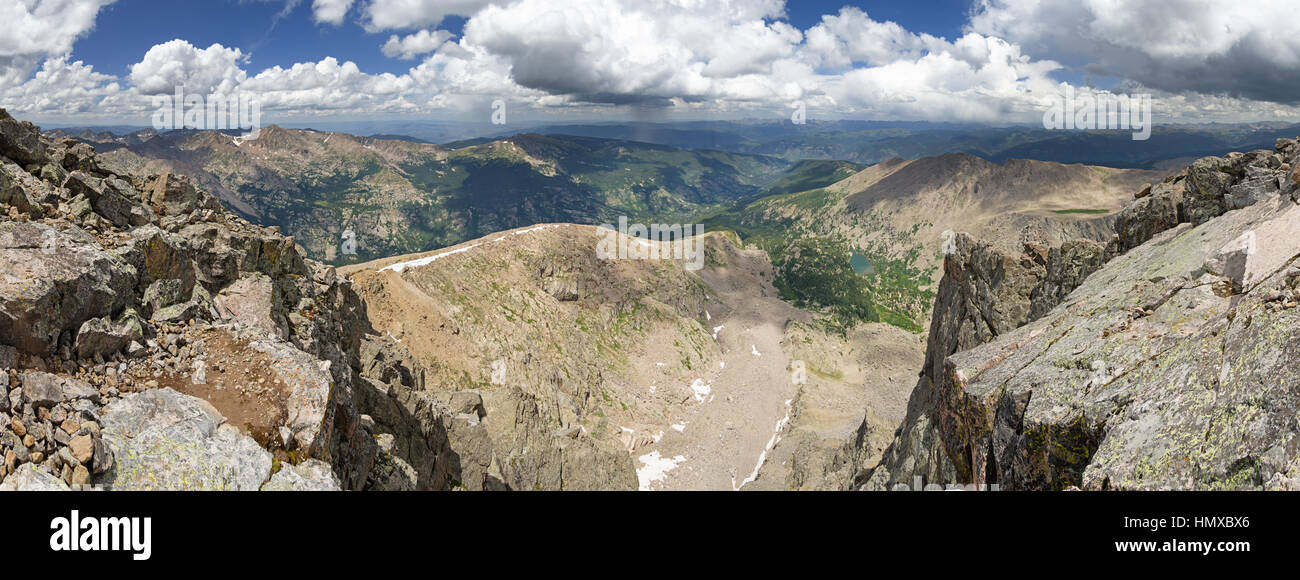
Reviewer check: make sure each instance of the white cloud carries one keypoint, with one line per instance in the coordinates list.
(330, 11)
(977, 78)
(851, 36)
(407, 14)
(412, 45)
(37, 29)
(707, 57)
(327, 85)
(45, 27)
(1246, 47)
(215, 69)
(62, 87)
(625, 51)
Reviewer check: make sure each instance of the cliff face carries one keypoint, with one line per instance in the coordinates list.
(1162, 360)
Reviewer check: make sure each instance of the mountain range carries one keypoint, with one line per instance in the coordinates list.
(400, 196)
(338, 194)
(1118, 329)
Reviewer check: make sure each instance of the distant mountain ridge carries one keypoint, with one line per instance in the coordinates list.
(861, 142)
(397, 196)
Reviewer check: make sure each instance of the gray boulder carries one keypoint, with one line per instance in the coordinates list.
(21, 190)
(310, 400)
(42, 389)
(52, 282)
(21, 141)
(107, 198)
(310, 475)
(163, 440)
(104, 337)
(30, 478)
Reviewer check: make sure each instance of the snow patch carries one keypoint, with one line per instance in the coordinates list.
(762, 457)
(425, 261)
(655, 470)
(701, 390)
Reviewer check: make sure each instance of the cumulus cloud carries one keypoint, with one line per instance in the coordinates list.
(412, 45)
(39, 29)
(851, 36)
(1245, 48)
(406, 14)
(62, 87)
(623, 51)
(704, 57)
(330, 11)
(976, 78)
(327, 85)
(177, 63)
(45, 26)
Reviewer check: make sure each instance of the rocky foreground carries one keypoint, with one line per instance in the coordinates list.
(1164, 359)
(149, 339)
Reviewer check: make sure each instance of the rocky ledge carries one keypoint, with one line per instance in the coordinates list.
(1164, 359)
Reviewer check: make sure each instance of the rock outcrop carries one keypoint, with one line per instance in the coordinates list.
(115, 287)
(1162, 361)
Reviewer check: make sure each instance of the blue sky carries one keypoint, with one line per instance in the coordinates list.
(128, 28)
(993, 61)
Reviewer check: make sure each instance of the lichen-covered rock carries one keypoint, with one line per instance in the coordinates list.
(29, 477)
(163, 440)
(111, 244)
(21, 190)
(173, 195)
(390, 472)
(1146, 378)
(310, 475)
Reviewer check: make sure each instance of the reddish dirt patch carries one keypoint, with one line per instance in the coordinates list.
(240, 383)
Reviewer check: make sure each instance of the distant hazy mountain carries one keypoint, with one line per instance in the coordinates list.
(861, 142)
(399, 196)
(104, 139)
(869, 142)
